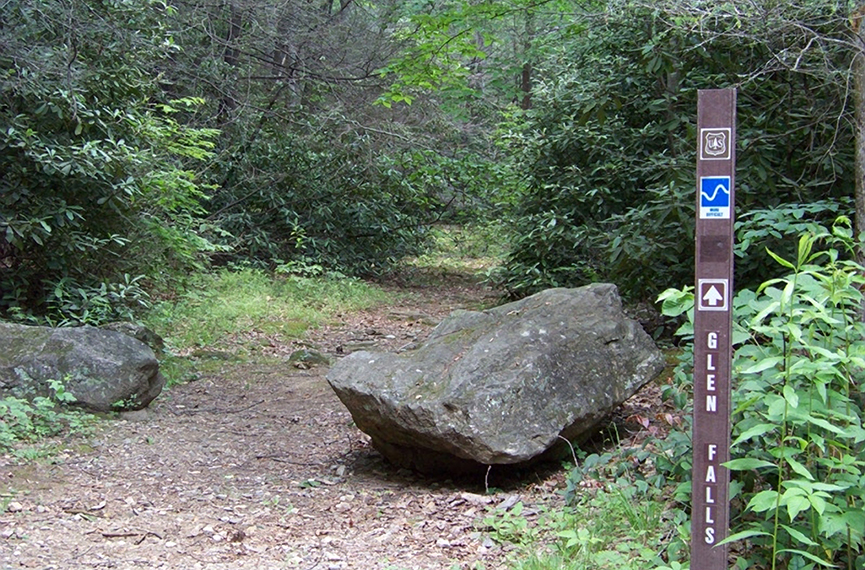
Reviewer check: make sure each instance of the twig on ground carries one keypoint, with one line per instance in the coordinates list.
(143, 535)
(279, 459)
(573, 453)
(177, 412)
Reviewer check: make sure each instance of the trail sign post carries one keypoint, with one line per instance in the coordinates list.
(716, 161)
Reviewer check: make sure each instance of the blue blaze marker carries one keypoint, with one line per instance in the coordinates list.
(715, 197)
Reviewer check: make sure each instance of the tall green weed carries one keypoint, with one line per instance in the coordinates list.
(799, 461)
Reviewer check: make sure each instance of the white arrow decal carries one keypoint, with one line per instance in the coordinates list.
(713, 297)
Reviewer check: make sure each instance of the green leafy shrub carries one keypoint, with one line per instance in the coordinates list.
(68, 303)
(24, 421)
(778, 229)
(798, 437)
(97, 178)
(609, 148)
(343, 207)
(617, 520)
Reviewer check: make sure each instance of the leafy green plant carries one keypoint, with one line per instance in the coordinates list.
(798, 437)
(798, 416)
(778, 229)
(24, 420)
(510, 526)
(614, 524)
(75, 304)
(619, 514)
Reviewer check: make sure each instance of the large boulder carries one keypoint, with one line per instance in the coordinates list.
(102, 369)
(140, 332)
(502, 386)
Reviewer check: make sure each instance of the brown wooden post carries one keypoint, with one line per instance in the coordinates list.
(716, 160)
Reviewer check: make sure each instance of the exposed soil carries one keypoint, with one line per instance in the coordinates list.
(258, 465)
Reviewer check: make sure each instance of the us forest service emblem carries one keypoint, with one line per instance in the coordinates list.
(715, 144)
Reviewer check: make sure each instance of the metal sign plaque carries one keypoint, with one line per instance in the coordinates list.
(716, 161)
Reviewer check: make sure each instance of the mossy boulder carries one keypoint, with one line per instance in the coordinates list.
(102, 369)
(502, 386)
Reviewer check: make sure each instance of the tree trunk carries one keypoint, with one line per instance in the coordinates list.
(859, 88)
(526, 75)
(227, 103)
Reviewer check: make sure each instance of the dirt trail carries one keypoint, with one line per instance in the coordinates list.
(256, 465)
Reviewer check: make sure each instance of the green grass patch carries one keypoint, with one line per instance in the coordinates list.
(224, 308)
(466, 250)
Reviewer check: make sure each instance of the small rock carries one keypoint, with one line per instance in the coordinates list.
(309, 357)
(135, 415)
(359, 345)
(475, 499)
(509, 502)
(236, 535)
(14, 507)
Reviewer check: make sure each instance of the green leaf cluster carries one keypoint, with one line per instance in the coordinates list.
(23, 421)
(798, 437)
(609, 146)
(344, 207)
(614, 519)
(98, 179)
(799, 411)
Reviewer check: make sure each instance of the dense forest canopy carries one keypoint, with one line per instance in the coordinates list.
(142, 139)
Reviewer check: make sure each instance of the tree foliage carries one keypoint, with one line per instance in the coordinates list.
(139, 134)
(609, 144)
(308, 169)
(96, 179)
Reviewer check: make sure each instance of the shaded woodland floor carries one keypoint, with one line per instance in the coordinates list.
(256, 464)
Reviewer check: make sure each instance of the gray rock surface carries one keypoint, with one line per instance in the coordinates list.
(104, 370)
(140, 332)
(502, 386)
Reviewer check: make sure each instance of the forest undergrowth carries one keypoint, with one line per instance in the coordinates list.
(623, 499)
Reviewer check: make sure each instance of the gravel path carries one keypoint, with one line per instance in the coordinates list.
(257, 465)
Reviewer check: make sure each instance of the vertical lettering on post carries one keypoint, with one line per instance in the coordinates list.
(713, 294)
